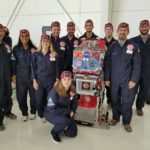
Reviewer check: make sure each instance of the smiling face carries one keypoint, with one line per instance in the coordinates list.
(45, 44)
(66, 82)
(71, 31)
(122, 33)
(89, 27)
(55, 31)
(24, 38)
(108, 31)
(144, 29)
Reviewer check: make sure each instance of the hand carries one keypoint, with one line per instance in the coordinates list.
(71, 114)
(7, 46)
(33, 50)
(35, 85)
(107, 83)
(13, 78)
(72, 93)
(131, 84)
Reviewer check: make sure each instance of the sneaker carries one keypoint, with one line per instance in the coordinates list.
(2, 127)
(11, 116)
(139, 112)
(43, 120)
(128, 128)
(24, 118)
(32, 116)
(56, 138)
(113, 122)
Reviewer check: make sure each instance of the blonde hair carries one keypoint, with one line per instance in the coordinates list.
(60, 89)
(51, 48)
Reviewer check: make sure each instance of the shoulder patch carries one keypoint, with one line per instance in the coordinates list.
(12, 57)
(50, 102)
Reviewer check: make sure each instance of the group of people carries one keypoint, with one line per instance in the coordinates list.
(46, 74)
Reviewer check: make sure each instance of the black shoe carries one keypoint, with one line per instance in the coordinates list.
(148, 102)
(2, 127)
(11, 116)
(55, 137)
(113, 122)
(139, 112)
(128, 128)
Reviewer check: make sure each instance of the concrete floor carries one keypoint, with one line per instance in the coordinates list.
(34, 135)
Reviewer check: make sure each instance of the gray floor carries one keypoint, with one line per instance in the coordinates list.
(34, 135)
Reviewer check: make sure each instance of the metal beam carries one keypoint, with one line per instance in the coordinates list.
(13, 12)
(68, 15)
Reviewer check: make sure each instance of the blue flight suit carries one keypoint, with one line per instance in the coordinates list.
(71, 45)
(5, 82)
(58, 112)
(61, 52)
(121, 65)
(21, 60)
(108, 93)
(144, 83)
(45, 71)
(8, 102)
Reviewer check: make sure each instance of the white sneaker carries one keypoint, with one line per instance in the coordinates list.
(32, 116)
(24, 118)
(43, 120)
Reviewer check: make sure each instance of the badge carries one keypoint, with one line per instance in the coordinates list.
(52, 58)
(8, 50)
(71, 98)
(12, 57)
(76, 43)
(130, 47)
(101, 44)
(62, 46)
(129, 51)
(33, 50)
(86, 54)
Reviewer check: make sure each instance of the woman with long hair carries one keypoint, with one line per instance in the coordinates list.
(45, 65)
(21, 60)
(61, 107)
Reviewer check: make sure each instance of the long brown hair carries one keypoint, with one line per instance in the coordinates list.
(60, 89)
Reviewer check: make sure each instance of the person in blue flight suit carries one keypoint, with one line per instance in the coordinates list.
(58, 45)
(122, 72)
(5, 82)
(88, 35)
(21, 61)
(109, 39)
(8, 102)
(45, 64)
(71, 42)
(143, 43)
(61, 107)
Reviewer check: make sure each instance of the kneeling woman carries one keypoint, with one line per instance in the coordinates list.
(61, 107)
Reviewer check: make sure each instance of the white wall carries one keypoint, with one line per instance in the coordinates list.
(130, 11)
(33, 14)
(36, 13)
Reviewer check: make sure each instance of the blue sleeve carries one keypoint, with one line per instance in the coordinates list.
(53, 104)
(136, 66)
(14, 60)
(107, 65)
(57, 67)
(74, 104)
(34, 66)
